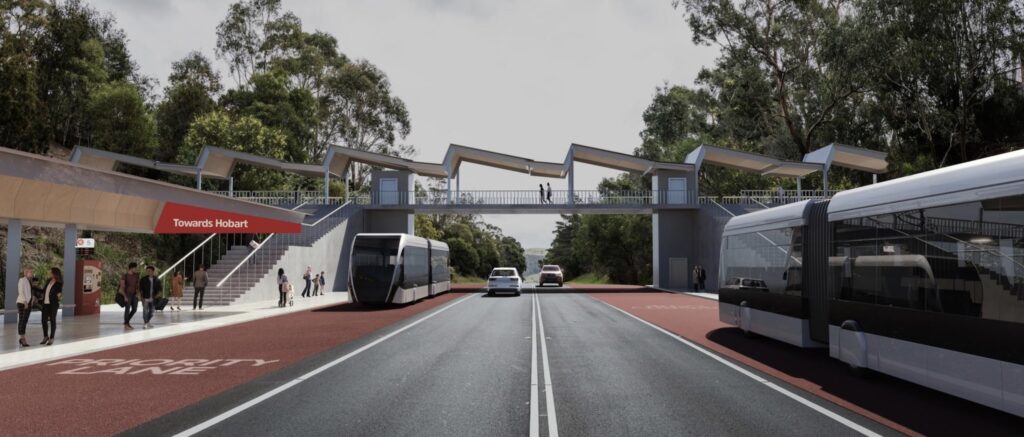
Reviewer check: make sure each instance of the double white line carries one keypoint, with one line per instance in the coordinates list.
(536, 320)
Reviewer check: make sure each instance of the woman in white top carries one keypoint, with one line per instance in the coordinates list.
(24, 303)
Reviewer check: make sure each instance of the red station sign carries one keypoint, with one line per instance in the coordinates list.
(183, 219)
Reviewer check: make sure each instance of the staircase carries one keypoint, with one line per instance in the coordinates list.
(321, 221)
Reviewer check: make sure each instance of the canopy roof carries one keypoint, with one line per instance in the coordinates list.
(339, 158)
(857, 158)
(747, 161)
(458, 154)
(220, 163)
(620, 161)
(49, 192)
(104, 160)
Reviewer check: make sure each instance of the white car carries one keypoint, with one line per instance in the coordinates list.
(504, 280)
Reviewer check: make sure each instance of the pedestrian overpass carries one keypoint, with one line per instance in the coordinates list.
(686, 226)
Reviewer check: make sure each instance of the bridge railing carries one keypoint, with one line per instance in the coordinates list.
(283, 198)
(526, 198)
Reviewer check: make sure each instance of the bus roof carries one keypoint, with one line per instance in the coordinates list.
(785, 216)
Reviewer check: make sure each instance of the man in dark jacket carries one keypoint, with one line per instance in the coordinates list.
(149, 289)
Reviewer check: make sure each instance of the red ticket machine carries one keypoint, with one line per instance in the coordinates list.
(87, 290)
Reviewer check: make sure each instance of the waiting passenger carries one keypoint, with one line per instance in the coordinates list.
(177, 289)
(199, 282)
(308, 277)
(150, 288)
(25, 303)
(696, 278)
(129, 288)
(316, 285)
(51, 302)
(282, 288)
(323, 283)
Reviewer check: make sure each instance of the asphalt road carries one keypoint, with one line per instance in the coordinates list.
(465, 369)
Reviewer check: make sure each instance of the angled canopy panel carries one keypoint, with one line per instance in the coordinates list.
(107, 161)
(857, 158)
(458, 154)
(620, 161)
(339, 158)
(792, 169)
(219, 162)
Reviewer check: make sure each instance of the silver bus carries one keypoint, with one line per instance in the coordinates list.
(397, 268)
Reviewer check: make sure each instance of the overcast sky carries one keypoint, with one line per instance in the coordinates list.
(524, 77)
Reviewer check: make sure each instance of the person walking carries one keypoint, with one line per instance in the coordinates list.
(696, 277)
(316, 285)
(51, 302)
(199, 282)
(129, 288)
(308, 277)
(25, 299)
(323, 284)
(703, 277)
(541, 193)
(150, 289)
(282, 288)
(177, 289)
(549, 192)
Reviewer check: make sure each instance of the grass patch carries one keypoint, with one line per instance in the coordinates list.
(460, 279)
(590, 278)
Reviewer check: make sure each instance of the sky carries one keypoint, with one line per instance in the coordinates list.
(523, 77)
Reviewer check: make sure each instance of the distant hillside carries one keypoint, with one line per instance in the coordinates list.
(533, 256)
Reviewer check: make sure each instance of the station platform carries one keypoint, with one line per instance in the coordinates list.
(85, 334)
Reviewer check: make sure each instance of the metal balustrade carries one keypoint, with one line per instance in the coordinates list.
(525, 198)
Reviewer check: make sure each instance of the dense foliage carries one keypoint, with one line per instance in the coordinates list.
(931, 82)
(476, 247)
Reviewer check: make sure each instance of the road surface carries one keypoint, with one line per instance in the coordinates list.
(544, 363)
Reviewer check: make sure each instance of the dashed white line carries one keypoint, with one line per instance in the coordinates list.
(534, 399)
(234, 411)
(824, 411)
(548, 391)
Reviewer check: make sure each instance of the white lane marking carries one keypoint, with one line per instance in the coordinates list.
(549, 393)
(255, 401)
(534, 408)
(824, 411)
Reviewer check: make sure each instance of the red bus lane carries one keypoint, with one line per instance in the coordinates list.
(902, 406)
(114, 390)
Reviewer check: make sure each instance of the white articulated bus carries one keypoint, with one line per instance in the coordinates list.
(921, 278)
(397, 268)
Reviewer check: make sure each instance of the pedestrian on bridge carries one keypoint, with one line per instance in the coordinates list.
(129, 288)
(51, 302)
(549, 192)
(199, 282)
(541, 193)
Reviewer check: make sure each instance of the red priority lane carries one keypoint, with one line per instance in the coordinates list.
(905, 407)
(111, 391)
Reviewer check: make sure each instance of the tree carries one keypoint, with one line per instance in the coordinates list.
(271, 100)
(192, 88)
(242, 133)
(242, 36)
(21, 110)
(118, 120)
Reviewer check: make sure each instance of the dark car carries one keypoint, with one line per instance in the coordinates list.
(551, 274)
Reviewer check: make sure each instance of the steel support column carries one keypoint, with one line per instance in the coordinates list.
(327, 186)
(572, 183)
(199, 180)
(799, 189)
(874, 178)
(231, 186)
(70, 277)
(13, 271)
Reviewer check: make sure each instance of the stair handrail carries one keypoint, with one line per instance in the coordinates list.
(244, 260)
(171, 268)
(265, 240)
(326, 216)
